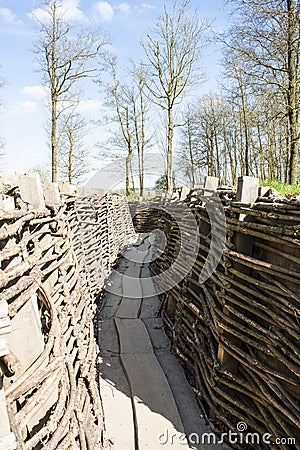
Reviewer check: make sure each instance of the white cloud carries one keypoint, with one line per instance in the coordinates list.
(24, 107)
(40, 14)
(9, 17)
(124, 8)
(72, 12)
(86, 106)
(105, 10)
(69, 10)
(83, 107)
(144, 6)
(37, 92)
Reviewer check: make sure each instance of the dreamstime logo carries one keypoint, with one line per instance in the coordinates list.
(241, 436)
(130, 284)
(241, 426)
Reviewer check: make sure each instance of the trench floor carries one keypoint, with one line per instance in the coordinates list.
(147, 401)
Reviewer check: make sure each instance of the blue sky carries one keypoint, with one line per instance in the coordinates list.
(23, 111)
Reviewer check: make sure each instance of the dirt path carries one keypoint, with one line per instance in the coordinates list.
(147, 401)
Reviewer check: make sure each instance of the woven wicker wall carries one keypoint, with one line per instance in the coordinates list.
(53, 265)
(238, 332)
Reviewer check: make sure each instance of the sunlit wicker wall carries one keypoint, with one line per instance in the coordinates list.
(238, 333)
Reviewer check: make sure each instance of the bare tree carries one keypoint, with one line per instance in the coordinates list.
(191, 156)
(128, 104)
(266, 41)
(118, 100)
(73, 152)
(140, 106)
(65, 58)
(214, 132)
(2, 143)
(173, 50)
(241, 88)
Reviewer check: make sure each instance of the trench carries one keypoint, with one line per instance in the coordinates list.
(147, 400)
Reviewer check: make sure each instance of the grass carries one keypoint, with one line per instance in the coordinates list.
(282, 188)
(136, 197)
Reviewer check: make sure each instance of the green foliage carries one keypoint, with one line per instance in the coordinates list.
(282, 188)
(136, 197)
(162, 183)
(132, 197)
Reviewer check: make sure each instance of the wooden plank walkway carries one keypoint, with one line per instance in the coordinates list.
(147, 401)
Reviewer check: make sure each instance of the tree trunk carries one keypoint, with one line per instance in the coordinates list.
(247, 149)
(143, 143)
(140, 138)
(54, 98)
(54, 138)
(131, 175)
(139, 155)
(216, 144)
(210, 147)
(170, 151)
(127, 175)
(191, 154)
(142, 172)
(70, 158)
(260, 169)
(292, 94)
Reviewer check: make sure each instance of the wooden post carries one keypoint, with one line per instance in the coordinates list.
(210, 183)
(184, 192)
(51, 194)
(247, 193)
(7, 439)
(31, 190)
(25, 341)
